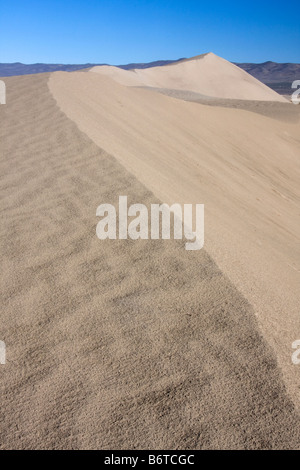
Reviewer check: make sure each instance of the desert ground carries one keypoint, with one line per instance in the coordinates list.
(140, 344)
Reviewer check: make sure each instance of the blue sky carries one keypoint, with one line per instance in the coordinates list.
(119, 32)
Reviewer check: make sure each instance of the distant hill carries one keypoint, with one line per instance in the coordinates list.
(277, 76)
(17, 68)
(273, 72)
(147, 65)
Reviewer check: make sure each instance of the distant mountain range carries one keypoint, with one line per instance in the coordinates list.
(273, 72)
(17, 68)
(277, 76)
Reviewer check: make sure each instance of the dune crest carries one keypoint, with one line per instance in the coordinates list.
(207, 74)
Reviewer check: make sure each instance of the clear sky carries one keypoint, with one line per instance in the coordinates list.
(119, 32)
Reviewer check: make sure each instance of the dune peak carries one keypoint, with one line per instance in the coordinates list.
(206, 74)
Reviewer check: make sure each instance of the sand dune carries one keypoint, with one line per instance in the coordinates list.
(243, 166)
(141, 344)
(207, 74)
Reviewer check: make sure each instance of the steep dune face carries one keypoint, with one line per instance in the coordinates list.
(242, 166)
(207, 74)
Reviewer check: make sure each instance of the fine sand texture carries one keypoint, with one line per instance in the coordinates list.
(127, 344)
(207, 74)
